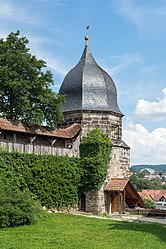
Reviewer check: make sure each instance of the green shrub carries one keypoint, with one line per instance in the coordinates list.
(149, 203)
(16, 207)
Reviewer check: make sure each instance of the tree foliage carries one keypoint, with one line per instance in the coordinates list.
(149, 203)
(140, 183)
(95, 150)
(17, 207)
(25, 90)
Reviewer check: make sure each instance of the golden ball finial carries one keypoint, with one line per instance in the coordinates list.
(86, 38)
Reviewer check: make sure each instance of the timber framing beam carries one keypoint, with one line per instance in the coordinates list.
(52, 141)
(31, 138)
(14, 137)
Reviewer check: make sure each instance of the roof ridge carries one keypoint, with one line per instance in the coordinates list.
(19, 126)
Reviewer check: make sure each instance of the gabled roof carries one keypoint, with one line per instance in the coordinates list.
(16, 126)
(121, 184)
(153, 195)
(117, 184)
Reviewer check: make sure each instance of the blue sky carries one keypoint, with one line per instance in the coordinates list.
(126, 37)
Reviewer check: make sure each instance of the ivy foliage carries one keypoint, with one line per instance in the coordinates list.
(95, 150)
(57, 181)
(53, 179)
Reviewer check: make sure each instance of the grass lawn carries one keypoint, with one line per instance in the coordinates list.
(65, 231)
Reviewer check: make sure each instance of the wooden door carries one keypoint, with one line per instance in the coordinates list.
(115, 202)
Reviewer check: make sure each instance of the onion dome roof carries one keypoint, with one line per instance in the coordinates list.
(88, 87)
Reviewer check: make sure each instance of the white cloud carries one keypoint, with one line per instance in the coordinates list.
(147, 70)
(155, 110)
(52, 61)
(56, 65)
(143, 16)
(124, 61)
(16, 12)
(146, 147)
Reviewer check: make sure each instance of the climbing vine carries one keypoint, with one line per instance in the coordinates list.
(95, 150)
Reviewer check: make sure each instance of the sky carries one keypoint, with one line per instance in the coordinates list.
(127, 39)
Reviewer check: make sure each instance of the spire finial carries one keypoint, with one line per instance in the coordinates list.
(86, 36)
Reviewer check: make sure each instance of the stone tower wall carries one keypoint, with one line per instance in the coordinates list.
(107, 122)
(119, 162)
(71, 118)
(111, 124)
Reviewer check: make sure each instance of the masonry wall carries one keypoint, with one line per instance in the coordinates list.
(119, 162)
(110, 123)
(96, 201)
(107, 122)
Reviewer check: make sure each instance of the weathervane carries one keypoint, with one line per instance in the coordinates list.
(86, 36)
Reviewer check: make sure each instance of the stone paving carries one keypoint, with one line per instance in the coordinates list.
(139, 218)
(129, 218)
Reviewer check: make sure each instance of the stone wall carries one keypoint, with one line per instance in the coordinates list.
(110, 123)
(119, 162)
(71, 118)
(95, 202)
(107, 122)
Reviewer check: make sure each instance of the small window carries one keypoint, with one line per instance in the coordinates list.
(68, 144)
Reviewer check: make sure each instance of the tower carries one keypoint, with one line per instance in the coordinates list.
(91, 100)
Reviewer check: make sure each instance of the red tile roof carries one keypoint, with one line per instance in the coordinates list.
(153, 195)
(17, 126)
(117, 184)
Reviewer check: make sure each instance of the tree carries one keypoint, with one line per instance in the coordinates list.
(140, 183)
(149, 203)
(17, 207)
(25, 90)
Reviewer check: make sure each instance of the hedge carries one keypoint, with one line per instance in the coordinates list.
(57, 181)
(53, 179)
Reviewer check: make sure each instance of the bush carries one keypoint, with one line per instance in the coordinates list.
(149, 203)
(16, 207)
